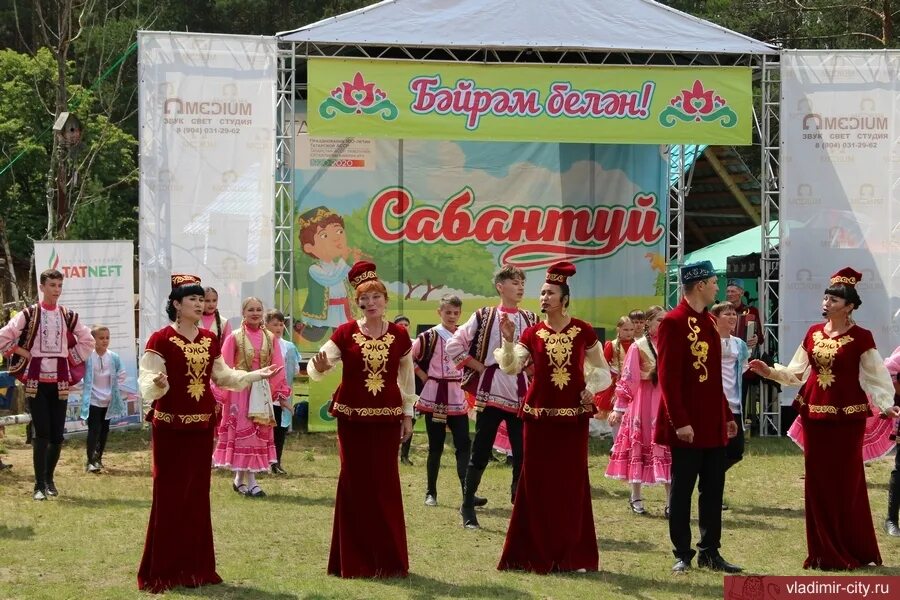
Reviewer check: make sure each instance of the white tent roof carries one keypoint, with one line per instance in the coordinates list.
(604, 25)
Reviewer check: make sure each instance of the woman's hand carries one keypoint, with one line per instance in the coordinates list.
(406, 428)
(320, 362)
(614, 418)
(587, 398)
(23, 353)
(893, 411)
(161, 380)
(269, 372)
(760, 368)
(507, 328)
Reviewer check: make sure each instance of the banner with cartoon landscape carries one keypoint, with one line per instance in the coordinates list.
(441, 217)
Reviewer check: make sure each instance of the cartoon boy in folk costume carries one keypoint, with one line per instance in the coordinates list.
(327, 305)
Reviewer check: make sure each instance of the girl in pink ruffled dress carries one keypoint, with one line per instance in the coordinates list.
(635, 457)
(245, 446)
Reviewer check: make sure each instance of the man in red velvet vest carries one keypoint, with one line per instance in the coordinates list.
(694, 418)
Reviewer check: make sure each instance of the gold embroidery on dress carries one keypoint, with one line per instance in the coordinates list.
(822, 408)
(849, 410)
(559, 351)
(197, 357)
(824, 350)
(196, 418)
(163, 416)
(375, 356)
(385, 411)
(557, 412)
(699, 349)
(246, 350)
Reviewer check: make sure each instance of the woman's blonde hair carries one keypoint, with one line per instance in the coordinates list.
(247, 302)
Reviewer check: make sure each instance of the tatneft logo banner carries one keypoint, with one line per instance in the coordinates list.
(98, 284)
(839, 197)
(597, 104)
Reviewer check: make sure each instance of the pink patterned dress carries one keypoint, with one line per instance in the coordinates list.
(244, 444)
(635, 457)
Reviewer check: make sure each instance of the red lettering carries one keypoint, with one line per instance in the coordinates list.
(392, 202)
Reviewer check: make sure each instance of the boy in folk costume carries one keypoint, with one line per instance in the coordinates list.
(498, 396)
(442, 400)
(102, 396)
(45, 343)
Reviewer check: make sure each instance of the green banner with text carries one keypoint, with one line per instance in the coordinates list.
(534, 103)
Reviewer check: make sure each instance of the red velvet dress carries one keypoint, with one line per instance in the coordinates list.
(833, 408)
(179, 550)
(369, 534)
(552, 524)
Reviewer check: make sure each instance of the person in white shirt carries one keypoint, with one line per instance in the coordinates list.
(102, 396)
(735, 359)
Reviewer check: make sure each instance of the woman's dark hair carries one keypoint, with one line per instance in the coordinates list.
(847, 292)
(564, 293)
(178, 294)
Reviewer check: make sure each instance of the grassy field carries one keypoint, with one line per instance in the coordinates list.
(87, 543)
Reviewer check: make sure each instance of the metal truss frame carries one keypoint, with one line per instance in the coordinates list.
(293, 58)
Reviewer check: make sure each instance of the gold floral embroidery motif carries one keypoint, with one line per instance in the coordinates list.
(700, 350)
(163, 416)
(556, 412)
(375, 356)
(822, 408)
(197, 357)
(849, 410)
(197, 418)
(366, 411)
(824, 350)
(559, 351)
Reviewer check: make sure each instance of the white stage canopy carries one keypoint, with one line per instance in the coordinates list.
(615, 25)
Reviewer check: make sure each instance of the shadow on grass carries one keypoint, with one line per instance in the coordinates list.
(756, 524)
(16, 533)
(422, 587)
(626, 546)
(104, 502)
(229, 591)
(645, 587)
(766, 511)
(599, 492)
(300, 500)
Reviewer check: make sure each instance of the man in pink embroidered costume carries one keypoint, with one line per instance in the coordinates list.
(837, 365)
(374, 407)
(175, 373)
(694, 418)
(46, 346)
(552, 524)
(498, 395)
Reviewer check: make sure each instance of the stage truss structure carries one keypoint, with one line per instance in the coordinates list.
(292, 85)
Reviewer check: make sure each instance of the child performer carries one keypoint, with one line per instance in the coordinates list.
(442, 400)
(211, 318)
(275, 324)
(101, 396)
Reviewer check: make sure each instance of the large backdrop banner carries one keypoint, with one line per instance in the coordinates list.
(840, 188)
(99, 286)
(549, 103)
(207, 126)
(440, 217)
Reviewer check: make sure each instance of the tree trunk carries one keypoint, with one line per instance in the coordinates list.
(14, 288)
(412, 288)
(887, 23)
(430, 289)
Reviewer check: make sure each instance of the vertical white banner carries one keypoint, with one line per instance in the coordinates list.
(99, 286)
(207, 131)
(839, 197)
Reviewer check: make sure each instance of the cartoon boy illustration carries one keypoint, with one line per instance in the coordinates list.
(327, 305)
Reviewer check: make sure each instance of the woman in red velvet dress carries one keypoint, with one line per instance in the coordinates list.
(837, 365)
(552, 524)
(175, 373)
(373, 406)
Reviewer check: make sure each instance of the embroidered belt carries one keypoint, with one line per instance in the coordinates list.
(185, 419)
(487, 381)
(557, 412)
(384, 411)
(441, 398)
(832, 410)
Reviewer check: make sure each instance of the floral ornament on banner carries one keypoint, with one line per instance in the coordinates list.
(699, 105)
(358, 97)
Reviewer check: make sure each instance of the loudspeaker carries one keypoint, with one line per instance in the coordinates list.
(744, 267)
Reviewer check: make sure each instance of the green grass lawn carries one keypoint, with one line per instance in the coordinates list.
(87, 543)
